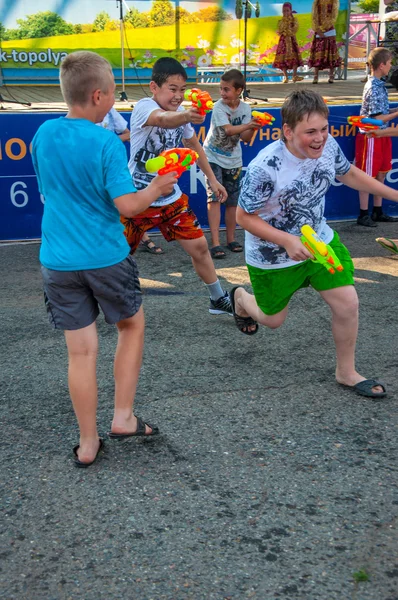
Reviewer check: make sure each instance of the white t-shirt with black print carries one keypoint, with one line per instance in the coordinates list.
(220, 148)
(149, 141)
(288, 192)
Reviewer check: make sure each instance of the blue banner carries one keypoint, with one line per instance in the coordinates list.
(21, 206)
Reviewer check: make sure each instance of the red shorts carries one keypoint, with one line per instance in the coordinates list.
(176, 221)
(373, 155)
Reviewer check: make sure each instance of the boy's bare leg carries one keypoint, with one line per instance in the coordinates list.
(246, 306)
(377, 200)
(202, 262)
(363, 200)
(82, 347)
(214, 215)
(128, 359)
(343, 302)
(230, 223)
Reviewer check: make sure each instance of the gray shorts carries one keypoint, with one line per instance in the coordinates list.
(73, 298)
(230, 179)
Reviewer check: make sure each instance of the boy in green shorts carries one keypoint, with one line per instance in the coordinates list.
(284, 189)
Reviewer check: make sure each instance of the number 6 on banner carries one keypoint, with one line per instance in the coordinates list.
(14, 193)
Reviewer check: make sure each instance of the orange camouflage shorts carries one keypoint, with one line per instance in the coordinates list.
(176, 221)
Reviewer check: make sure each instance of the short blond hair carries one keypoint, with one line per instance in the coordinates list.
(82, 73)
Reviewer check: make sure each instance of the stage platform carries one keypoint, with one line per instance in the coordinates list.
(49, 98)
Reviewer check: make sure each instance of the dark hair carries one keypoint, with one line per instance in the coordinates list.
(164, 68)
(378, 56)
(299, 104)
(235, 77)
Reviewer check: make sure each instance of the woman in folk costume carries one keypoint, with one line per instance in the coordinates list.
(324, 53)
(287, 55)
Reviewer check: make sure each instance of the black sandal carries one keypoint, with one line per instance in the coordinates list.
(217, 252)
(235, 247)
(84, 465)
(152, 249)
(139, 432)
(242, 323)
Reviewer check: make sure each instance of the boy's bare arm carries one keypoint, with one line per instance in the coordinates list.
(133, 204)
(245, 131)
(256, 226)
(386, 118)
(125, 135)
(170, 119)
(358, 180)
(203, 164)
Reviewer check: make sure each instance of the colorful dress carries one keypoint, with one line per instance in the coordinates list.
(324, 53)
(287, 53)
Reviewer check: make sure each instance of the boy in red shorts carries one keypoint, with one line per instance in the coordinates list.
(157, 124)
(374, 155)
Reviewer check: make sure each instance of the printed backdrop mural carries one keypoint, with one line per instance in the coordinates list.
(36, 36)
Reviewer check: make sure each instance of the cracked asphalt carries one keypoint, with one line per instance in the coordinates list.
(269, 480)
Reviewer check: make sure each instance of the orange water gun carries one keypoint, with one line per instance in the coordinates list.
(320, 251)
(365, 123)
(176, 159)
(263, 118)
(202, 101)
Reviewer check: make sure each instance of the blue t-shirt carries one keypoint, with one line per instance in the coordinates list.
(81, 169)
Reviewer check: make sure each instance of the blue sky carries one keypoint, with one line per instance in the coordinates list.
(84, 11)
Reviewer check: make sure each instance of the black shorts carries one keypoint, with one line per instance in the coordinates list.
(230, 179)
(73, 298)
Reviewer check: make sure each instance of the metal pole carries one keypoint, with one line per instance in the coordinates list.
(347, 41)
(123, 95)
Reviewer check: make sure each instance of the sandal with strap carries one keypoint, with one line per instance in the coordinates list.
(235, 247)
(365, 388)
(242, 323)
(154, 249)
(217, 252)
(391, 246)
(139, 432)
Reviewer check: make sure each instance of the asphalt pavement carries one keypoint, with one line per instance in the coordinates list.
(269, 480)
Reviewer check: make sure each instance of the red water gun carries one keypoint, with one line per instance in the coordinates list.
(202, 101)
(176, 159)
(263, 118)
(365, 123)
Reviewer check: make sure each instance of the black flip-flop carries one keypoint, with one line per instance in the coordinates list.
(242, 322)
(139, 432)
(235, 247)
(84, 465)
(152, 249)
(217, 252)
(364, 388)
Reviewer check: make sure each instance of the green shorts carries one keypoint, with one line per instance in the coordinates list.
(273, 288)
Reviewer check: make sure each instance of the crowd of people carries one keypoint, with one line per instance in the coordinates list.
(88, 260)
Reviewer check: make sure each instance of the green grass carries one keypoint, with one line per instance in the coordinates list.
(361, 575)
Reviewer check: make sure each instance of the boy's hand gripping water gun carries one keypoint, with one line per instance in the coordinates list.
(175, 160)
(200, 100)
(320, 251)
(263, 118)
(365, 123)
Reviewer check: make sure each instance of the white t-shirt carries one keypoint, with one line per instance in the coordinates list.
(114, 122)
(220, 148)
(288, 192)
(149, 141)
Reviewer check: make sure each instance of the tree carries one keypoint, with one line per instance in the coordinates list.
(136, 19)
(248, 10)
(238, 9)
(161, 13)
(213, 13)
(42, 24)
(257, 11)
(100, 21)
(368, 6)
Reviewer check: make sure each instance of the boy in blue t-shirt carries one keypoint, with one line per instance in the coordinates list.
(83, 175)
